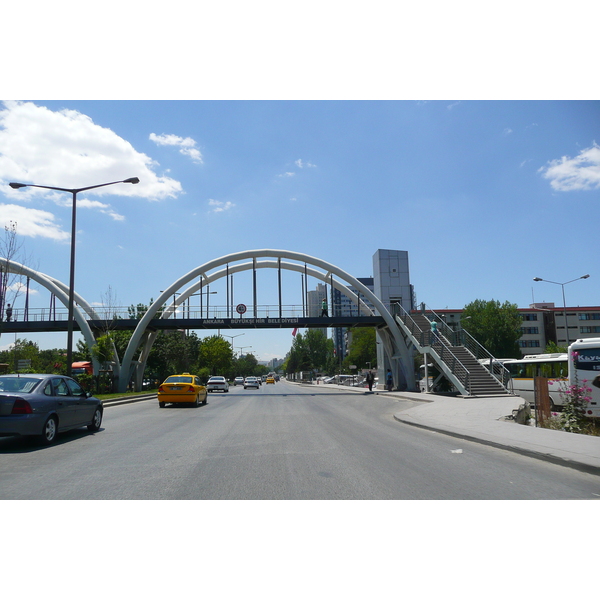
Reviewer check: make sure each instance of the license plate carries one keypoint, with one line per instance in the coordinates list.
(176, 387)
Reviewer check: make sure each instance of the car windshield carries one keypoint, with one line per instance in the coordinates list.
(18, 384)
(216, 379)
(178, 379)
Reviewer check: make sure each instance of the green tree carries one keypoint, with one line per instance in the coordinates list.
(297, 359)
(244, 366)
(173, 352)
(22, 350)
(554, 348)
(495, 326)
(311, 351)
(363, 348)
(215, 354)
(317, 349)
(102, 350)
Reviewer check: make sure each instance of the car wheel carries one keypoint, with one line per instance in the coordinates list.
(49, 432)
(195, 404)
(161, 404)
(96, 421)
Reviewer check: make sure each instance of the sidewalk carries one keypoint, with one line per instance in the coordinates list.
(481, 420)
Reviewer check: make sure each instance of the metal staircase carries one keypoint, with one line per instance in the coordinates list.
(464, 362)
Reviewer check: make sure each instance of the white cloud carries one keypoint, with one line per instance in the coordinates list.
(187, 146)
(287, 174)
(219, 206)
(67, 149)
(32, 222)
(579, 173)
(301, 165)
(507, 131)
(21, 288)
(103, 208)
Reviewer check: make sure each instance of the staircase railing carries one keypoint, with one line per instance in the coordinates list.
(437, 345)
(461, 337)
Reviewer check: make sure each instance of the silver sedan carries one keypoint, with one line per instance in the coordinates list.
(45, 405)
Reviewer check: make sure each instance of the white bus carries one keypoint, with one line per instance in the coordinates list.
(579, 366)
(584, 367)
(523, 370)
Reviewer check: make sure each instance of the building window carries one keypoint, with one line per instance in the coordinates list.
(530, 317)
(529, 343)
(530, 330)
(589, 316)
(590, 329)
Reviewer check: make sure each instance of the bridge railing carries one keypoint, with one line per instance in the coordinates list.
(182, 311)
(438, 347)
(461, 337)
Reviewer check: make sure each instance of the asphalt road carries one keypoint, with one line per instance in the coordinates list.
(280, 442)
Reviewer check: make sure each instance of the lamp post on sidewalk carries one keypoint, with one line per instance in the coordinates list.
(562, 285)
(73, 191)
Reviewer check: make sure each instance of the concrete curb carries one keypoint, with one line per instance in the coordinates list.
(127, 399)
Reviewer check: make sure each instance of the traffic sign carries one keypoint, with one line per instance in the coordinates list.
(241, 308)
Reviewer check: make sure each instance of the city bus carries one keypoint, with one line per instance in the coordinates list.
(579, 366)
(523, 371)
(584, 367)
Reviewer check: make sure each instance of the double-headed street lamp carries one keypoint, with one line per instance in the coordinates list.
(75, 191)
(233, 337)
(563, 295)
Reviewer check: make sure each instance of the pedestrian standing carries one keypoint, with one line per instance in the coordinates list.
(8, 312)
(370, 380)
(389, 380)
(324, 308)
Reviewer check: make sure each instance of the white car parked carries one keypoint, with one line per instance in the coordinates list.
(217, 383)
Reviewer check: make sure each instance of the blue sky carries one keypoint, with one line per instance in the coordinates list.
(326, 128)
(484, 195)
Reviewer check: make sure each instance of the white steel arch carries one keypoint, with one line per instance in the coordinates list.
(61, 291)
(393, 342)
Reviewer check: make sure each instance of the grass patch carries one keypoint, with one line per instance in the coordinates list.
(122, 394)
(592, 427)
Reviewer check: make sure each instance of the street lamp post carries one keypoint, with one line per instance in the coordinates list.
(73, 191)
(562, 285)
(242, 348)
(233, 337)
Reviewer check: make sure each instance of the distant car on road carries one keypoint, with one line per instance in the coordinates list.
(217, 383)
(181, 389)
(44, 405)
(238, 381)
(270, 380)
(251, 382)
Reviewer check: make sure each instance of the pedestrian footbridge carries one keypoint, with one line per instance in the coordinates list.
(399, 333)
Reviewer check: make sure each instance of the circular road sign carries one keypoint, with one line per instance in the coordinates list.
(241, 308)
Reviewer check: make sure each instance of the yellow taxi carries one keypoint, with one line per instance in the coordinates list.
(181, 389)
(270, 379)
